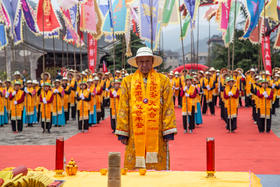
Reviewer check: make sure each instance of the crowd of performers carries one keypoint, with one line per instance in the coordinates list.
(83, 97)
(76, 96)
(197, 91)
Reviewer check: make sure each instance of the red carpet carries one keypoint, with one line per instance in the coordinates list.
(241, 151)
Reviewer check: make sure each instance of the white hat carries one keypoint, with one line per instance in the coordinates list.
(64, 79)
(96, 78)
(126, 74)
(29, 82)
(16, 73)
(207, 73)
(252, 69)
(35, 82)
(176, 73)
(212, 69)
(57, 80)
(89, 80)
(267, 72)
(145, 51)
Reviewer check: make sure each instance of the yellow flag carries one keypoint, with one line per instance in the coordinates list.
(271, 10)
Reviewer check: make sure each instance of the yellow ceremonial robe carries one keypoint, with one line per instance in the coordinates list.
(167, 121)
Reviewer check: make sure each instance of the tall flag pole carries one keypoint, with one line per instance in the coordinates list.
(182, 38)
(233, 43)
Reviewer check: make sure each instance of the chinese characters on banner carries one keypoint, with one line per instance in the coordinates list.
(92, 53)
(266, 53)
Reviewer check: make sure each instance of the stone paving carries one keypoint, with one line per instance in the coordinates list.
(34, 136)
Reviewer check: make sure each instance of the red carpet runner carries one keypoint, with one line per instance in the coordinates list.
(241, 151)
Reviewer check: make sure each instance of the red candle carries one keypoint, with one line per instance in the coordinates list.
(59, 155)
(210, 149)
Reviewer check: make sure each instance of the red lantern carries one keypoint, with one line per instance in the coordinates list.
(59, 156)
(210, 149)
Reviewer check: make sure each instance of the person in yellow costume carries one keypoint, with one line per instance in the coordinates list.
(107, 87)
(176, 88)
(102, 84)
(92, 104)
(36, 87)
(249, 77)
(67, 92)
(188, 94)
(58, 117)
(2, 105)
(83, 98)
(208, 85)
(213, 72)
(45, 78)
(275, 86)
(72, 100)
(114, 102)
(46, 99)
(255, 86)
(17, 102)
(231, 97)
(18, 78)
(97, 91)
(265, 97)
(146, 117)
(8, 90)
(29, 103)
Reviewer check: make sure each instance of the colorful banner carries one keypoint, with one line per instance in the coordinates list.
(207, 2)
(12, 8)
(270, 10)
(4, 18)
(186, 24)
(3, 36)
(277, 41)
(17, 31)
(88, 17)
(266, 53)
(46, 17)
(228, 36)
(28, 15)
(254, 8)
(256, 35)
(167, 11)
(225, 15)
(210, 13)
(148, 27)
(190, 4)
(70, 19)
(105, 70)
(271, 25)
(116, 18)
(92, 53)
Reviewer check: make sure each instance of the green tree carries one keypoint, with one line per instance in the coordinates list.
(246, 54)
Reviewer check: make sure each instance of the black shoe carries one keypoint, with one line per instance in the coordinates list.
(56, 125)
(43, 131)
(49, 131)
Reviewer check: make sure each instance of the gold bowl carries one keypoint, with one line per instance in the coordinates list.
(142, 172)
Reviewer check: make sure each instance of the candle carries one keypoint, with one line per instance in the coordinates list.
(59, 156)
(210, 149)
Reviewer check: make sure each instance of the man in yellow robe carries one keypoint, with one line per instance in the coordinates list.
(146, 117)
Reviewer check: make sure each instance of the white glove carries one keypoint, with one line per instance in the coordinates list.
(25, 90)
(7, 94)
(14, 93)
(273, 86)
(177, 88)
(230, 94)
(218, 74)
(243, 76)
(15, 102)
(56, 91)
(185, 89)
(45, 100)
(208, 87)
(82, 97)
(266, 96)
(107, 89)
(42, 84)
(114, 93)
(264, 93)
(187, 95)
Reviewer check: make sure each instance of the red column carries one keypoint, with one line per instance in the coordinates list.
(59, 155)
(210, 149)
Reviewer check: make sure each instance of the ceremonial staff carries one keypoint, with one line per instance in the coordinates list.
(83, 123)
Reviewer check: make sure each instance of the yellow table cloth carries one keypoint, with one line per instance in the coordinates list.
(164, 179)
